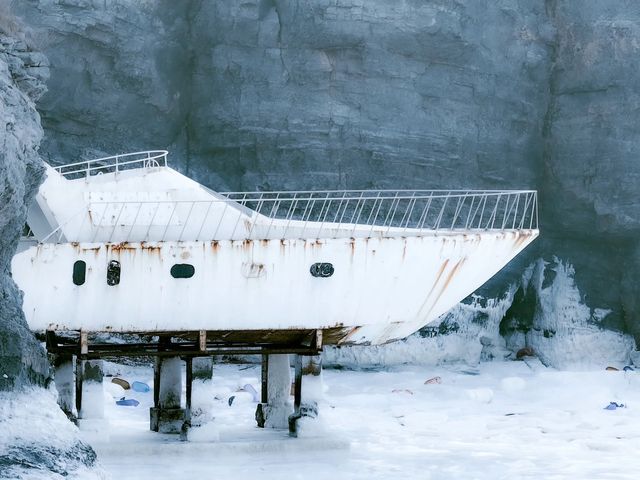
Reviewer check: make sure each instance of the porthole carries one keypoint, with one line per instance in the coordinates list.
(113, 273)
(79, 272)
(321, 270)
(182, 270)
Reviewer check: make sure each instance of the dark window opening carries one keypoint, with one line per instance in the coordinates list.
(322, 270)
(182, 270)
(79, 272)
(113, 273)
(26, 231)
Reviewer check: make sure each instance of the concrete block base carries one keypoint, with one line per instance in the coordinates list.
(166, 420)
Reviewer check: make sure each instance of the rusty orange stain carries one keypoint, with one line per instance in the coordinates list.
(153, 249)
(388, 331)
(440, 272)
(452, 273)
(349, 334)
(121, 246)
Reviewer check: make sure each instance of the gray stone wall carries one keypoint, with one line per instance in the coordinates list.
(22, 76)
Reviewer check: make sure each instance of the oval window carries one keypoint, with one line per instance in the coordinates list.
(79, 272)
(182, 270)
(322, 270)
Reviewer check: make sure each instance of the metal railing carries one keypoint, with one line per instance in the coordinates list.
(303, 214)
(114, 163)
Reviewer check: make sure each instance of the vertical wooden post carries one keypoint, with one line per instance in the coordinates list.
(189, 380)
(156, 381)
(265, 379)
(84, 342)
(202, 340)
(79, 380)
(297, 397)
(297, 389)
(187, 413)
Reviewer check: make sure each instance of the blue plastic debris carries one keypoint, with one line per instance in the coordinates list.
(140, 387)
(628, 369)
(127, 402)
(614, 405)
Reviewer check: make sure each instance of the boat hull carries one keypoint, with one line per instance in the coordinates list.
(382, 289)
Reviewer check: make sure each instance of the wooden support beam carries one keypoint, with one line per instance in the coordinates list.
(124, 350)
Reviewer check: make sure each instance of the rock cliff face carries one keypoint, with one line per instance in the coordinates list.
(272, 94)
(22, 76)
(591, 173)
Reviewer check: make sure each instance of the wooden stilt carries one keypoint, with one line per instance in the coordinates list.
(187, 413)
(79, 380)
(297, 397)
(265, 379)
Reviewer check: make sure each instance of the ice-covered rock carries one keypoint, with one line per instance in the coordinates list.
(550, 316)
(38, 441)
(22, 76)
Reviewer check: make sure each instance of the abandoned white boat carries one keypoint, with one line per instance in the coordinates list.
(127, 244)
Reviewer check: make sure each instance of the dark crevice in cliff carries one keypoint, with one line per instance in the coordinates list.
(193, 9)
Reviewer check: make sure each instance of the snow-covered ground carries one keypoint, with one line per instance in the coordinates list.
(499, 420)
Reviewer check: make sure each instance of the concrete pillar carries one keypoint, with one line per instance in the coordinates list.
(167, 416)
(200, 411)
(65, 384)
(91, 402)
(275, 407)
(307, 390)
(203, 368)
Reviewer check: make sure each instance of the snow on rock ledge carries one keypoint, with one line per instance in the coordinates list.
(38, 441)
